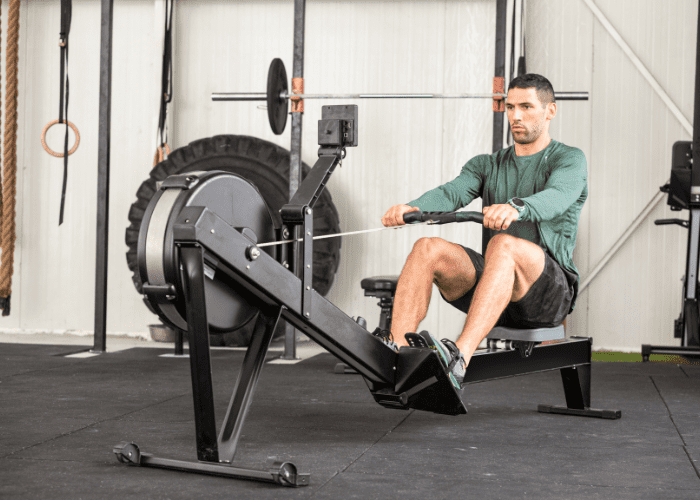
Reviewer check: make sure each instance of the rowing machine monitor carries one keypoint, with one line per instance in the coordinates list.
(338, 126)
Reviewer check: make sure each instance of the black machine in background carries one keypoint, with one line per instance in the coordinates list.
(684, 194)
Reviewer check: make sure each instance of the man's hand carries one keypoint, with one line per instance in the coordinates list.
(499, 217)
(394, 216)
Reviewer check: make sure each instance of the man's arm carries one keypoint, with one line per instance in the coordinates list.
(564, 186)
(446, 198)
(457, 193)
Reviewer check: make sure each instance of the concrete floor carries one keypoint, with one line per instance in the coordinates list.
(60, 416)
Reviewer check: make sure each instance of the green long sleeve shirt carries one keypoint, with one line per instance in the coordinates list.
(553, 184)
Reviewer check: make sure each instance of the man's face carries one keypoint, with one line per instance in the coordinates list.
(527, 116)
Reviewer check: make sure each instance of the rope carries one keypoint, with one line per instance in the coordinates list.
(9, 174)
(350, 233)
(1, 197)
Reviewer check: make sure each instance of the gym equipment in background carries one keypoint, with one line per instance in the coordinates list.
(683, 194)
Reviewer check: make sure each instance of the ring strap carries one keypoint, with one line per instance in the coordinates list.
(166, 81)
(66, 14)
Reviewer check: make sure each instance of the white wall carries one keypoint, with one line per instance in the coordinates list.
(405, 146)
(54, 284)
(395, 46)
(627, 133)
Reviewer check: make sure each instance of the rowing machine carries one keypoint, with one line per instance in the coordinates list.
(203, 271)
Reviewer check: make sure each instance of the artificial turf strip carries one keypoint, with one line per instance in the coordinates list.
(631, 357)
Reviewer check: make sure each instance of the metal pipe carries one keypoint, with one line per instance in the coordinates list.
(397, 96)
(103, 146)
(240, 96)
(499, 72)
(695, 175)
(257, 96)
(290, 347)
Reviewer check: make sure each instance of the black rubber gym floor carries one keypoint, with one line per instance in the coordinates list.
(60, 418)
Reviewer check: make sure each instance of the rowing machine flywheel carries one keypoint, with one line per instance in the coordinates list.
(236, 201)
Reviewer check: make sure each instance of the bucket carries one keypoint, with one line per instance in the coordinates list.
(162, 333)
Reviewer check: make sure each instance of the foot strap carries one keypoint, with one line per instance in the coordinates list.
(457, 357)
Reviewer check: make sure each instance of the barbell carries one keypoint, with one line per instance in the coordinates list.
(278, 96)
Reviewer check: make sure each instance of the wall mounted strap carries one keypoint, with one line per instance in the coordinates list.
(166, 83)
(66, 14)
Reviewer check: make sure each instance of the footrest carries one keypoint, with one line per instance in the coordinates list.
(586, 412)
(422, 383)
(528, 335)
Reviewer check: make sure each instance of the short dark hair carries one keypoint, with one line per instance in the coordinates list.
(542, 86)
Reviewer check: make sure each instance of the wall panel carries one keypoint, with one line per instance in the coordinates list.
(637, 296)
(405, 147)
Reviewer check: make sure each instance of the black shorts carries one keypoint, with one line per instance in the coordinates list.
(546, 304)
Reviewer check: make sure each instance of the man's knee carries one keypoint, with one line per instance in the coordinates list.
(429, 250)
(445, 259)
(527, 257)
(503, 244)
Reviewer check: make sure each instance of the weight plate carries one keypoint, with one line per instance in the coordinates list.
(277, 106)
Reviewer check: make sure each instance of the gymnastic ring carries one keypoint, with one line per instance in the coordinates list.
(52, 152)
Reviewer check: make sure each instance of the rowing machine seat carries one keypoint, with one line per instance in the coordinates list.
(528, 335)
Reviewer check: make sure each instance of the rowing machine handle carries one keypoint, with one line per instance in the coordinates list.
(443, 217)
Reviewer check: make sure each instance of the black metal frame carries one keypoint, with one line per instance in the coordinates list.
(688, 324)
(100, 335)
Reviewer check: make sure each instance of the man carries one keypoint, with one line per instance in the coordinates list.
(532, 195)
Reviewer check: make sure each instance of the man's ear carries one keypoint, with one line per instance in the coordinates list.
(551, 110)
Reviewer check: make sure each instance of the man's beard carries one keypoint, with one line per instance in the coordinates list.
(528, 137)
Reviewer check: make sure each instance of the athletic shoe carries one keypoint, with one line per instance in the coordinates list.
(457, 366)
(448, 352)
